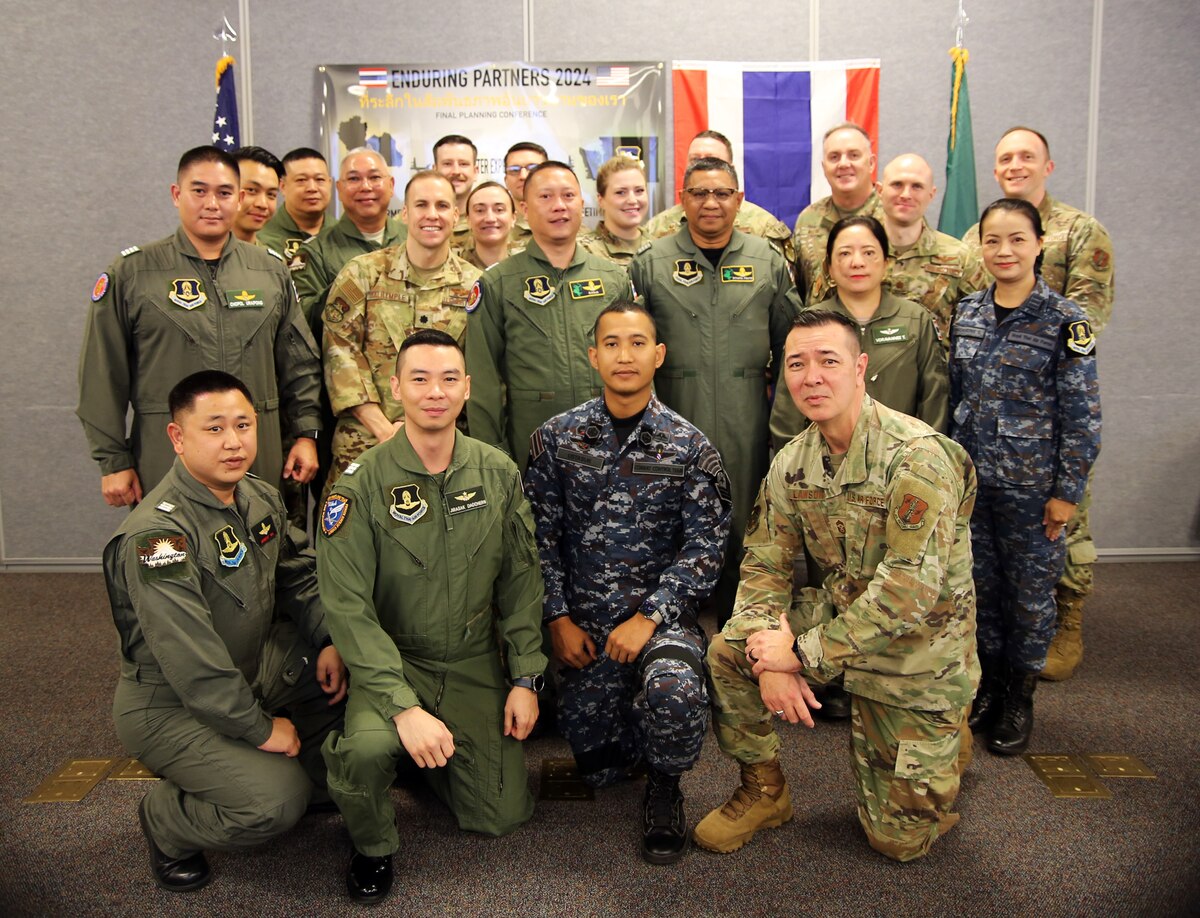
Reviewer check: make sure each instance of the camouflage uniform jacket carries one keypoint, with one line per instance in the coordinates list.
(1024, 394)
(892, 527)
(812, 234)
(602, 242)
(432, 568)
(466, 251)
(283, 235)
(195, 586)
(157, 315)
(530, 329)
(1077, 258)
(373, 306)
(937, 272)
(326, 254)
(626, 527)
(751, 220)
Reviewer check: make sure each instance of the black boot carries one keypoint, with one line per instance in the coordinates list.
(664, 827)
(986, 706)
(369, 879)
(1011, 733)
(174, 874)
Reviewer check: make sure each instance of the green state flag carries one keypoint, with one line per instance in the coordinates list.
(960, 206)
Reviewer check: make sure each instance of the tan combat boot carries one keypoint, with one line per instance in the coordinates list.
(1066, 650)
(762, 802)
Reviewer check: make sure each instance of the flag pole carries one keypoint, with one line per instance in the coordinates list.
(226, 132)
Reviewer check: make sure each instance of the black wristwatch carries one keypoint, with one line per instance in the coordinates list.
(311, 434)
(534, 683)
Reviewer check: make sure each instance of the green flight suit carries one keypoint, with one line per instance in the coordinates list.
(283, 235)
(422, 576)
(751, 220)
(724, 330)
(906, 367)
(220, 624)
(157, 316)
(530, 328)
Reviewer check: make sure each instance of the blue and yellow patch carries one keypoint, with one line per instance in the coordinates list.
(335, 512)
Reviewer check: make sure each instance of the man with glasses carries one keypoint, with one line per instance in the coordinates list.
(306, 187)
(519, 161)
(724, 302)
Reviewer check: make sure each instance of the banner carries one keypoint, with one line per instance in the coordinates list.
(775, 115)
(582, 113)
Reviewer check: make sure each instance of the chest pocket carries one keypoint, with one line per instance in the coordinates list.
(967, 339)
(402, 589)
(1023, 373)
(866, 540)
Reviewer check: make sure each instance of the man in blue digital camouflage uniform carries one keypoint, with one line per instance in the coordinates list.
(632, 509)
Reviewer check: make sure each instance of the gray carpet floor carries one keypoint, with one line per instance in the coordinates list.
(1017, 851)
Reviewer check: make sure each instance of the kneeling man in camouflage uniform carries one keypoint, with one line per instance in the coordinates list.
(883, 502)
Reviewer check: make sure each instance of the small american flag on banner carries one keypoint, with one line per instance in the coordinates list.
(612, 76)
(372, 76)
(225, 132)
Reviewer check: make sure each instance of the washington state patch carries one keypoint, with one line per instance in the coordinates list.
(162, 556)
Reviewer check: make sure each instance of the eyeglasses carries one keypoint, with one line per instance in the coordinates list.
(517, 170)
(703, 194)
(356, 181)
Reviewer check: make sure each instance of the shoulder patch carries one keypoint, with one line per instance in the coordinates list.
(1100, 259)
(165, 506)
(537, 445)
(710, 464)
(476, 296)
(1080, 339)
(125, 253)
(335, 512)
(352, 468)
(162, 555)
(914, 510)
(100, 288)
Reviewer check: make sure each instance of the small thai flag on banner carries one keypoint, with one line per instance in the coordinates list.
(372, 76)
(775, 116)
(225, 133)
(612, 76)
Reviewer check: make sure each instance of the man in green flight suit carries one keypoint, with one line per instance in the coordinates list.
(306, 188)
(427, 561)
(229, 682)
(200, 299)
(532, 316)
(724, 302)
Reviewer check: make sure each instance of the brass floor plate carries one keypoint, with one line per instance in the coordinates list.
(1119, 766)
(1054, 766)
(561, 781)
(131, 770)
(1077, 786)
(72, 782)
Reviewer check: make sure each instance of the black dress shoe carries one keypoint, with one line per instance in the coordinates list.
(835, 703)
(174, 874)
(985, 709)
(369, 879)
(1010, 735)
(664, 827)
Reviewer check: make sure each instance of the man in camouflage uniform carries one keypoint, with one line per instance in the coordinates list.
(520, 159)
(199, 299)
(882, 502)
(751, 219)
(928, 267)
(1077, 261)
(377, 301)
(724, 302)
(260, 172)
(848, 163)
(632, 511)
(532, 316)
(306, 188)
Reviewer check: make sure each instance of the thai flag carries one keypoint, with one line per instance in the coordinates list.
(775, 116)
(372, 76)
(612, 76)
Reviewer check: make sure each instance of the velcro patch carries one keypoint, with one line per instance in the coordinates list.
(162, 556)
(737, 274)
(586, 289)
(335, 512)
(1080, 339)
(465, 500)
(913, 512)
(476, 296)
(100, 288)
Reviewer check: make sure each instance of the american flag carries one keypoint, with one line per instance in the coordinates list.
(612, 76)
(372, 76)
(225, 133)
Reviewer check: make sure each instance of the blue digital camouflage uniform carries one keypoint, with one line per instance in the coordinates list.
(1026, 406)
(622, 528)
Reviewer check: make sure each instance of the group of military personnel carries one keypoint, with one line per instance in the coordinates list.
(619, 411)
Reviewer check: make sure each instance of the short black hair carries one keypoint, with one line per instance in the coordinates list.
(434, 337)
(525, 145)
(624, 306)
(710, 164)
(1018, 206)
(304, 153)
(207, 154)
(866, 220)
(261, 156)
(816, 318)
(185, 392)
(455, 139)
(546, 167)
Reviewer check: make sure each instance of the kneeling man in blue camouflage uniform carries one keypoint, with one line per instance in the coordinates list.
(429, 572)
(883, 503)
(632, 508)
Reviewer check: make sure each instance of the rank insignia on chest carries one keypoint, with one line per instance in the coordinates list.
(586, 289)
(230, 547)
(187, 292)
(889, 334)
(264, 531)
(408, 505)
(538, 290)
(687, 272)
(467, 499)
(911, 512)
(244, 299)
(737, 274)
(334, 513)
(1080, 339)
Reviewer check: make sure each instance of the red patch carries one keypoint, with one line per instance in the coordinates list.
(476, 296)
(100, 288)
(1099, 259)
(911, 512)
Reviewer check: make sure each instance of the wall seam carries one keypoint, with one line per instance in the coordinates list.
(247, 122)
(1093, 139)
(814, 30)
